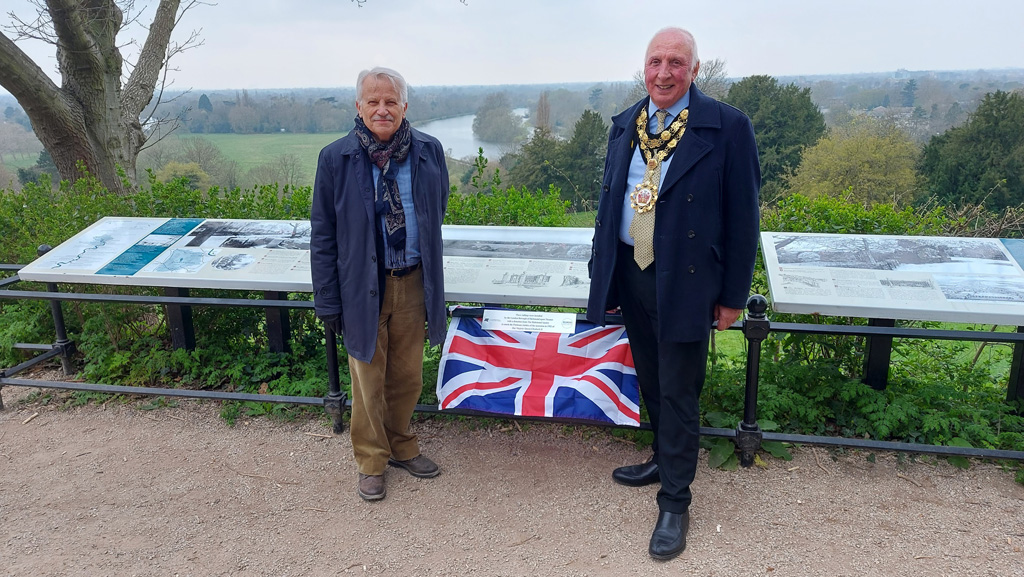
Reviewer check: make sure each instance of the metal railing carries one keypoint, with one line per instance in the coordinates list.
(748, 436)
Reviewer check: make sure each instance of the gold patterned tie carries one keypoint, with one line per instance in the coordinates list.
(642, 227)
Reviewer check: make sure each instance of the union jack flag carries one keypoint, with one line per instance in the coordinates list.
(586, 375)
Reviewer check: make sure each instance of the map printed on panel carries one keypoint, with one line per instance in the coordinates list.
(916, 278)
(139, 255)
(182, 260)
(97, 245)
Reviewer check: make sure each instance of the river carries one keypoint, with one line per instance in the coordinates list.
(456, 136)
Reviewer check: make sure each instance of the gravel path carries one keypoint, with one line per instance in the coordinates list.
(116, 490)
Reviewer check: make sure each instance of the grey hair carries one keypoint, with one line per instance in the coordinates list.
(683, 32)
(382, 73)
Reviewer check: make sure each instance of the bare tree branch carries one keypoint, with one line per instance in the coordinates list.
(711, 78)
(39, 29)
(25, 80)
(138, 91)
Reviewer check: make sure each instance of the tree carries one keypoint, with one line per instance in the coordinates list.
(982, 160)
(711, 78)
(189, 172)
(909, 93)
(44, 165)
(205, 104)
(542, 119)
(785, 122)
(221, 171)
(573, 166)
(94, 115)
(637, 91)
(870, 161)
(495, 121)
(533, 167)
(582, 161)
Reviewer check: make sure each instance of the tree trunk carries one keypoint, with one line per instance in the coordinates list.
(91, 118)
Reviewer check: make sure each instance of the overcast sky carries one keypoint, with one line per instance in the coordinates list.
(325, 43)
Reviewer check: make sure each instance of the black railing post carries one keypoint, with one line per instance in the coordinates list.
(67, 348)
(334, 402)
(879, 353)
(179, 321)
(755, 329)
(278, 326)
(1015, 382)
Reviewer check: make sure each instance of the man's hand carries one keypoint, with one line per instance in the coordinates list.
(332, 322)
(726, 316)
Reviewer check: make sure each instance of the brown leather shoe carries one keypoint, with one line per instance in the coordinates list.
(418, 466)
(371, 487)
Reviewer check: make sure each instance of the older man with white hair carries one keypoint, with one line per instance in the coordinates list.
(378, 202)
(674, 245)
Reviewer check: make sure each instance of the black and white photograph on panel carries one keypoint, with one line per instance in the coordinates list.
(287, 235)
(926, 254)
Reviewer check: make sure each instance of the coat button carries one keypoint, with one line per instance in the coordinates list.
(373, 258)
(691, 234)
(692, 269)
(689, 198)
(373, 293)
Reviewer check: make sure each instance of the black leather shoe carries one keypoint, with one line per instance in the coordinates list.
(637, 475)
(669, 537)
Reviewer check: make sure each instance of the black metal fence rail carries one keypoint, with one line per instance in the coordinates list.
(747, 435)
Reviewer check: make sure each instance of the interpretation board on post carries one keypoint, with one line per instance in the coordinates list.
(484, 264)
(182, 252)
(517, 265)
(966, 280)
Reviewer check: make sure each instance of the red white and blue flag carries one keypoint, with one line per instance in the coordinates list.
(586, 375)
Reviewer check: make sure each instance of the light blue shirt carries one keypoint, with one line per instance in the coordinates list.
(412, 231)
(637, 166)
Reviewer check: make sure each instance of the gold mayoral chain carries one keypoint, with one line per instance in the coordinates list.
(654, 151)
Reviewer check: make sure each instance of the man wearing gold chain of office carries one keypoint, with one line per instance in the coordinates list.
(674, 245)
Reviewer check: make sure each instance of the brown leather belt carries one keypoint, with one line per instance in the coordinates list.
(400, 272)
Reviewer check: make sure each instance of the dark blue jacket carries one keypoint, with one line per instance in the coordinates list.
(706, 221)
(346, 248)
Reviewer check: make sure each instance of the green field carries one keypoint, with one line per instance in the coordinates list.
(582, 219)
(251, 150)
(13, 162)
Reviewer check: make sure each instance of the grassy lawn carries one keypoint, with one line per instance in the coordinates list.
(250, 150)
(13, 162)
(582, 219)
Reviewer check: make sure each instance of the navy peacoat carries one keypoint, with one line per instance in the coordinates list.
(706, 221)
(346, 248)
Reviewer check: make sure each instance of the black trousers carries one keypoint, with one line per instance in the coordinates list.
(671, 376)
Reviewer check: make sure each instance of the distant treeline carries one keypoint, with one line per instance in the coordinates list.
(324, 110)
(905, 137)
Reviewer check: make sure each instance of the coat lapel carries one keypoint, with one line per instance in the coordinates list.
(623, 147)
(704, 113)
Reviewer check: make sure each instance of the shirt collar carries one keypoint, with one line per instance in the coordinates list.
(673, 110)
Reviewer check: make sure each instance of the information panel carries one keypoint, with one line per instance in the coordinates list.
(482, 264)
(520, 265)
(971, 280)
